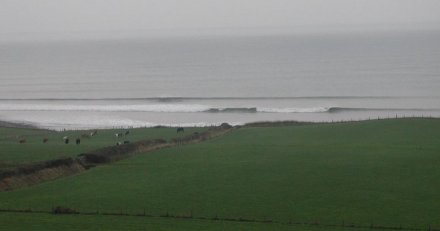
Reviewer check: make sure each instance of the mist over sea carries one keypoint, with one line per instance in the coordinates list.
(207, 81)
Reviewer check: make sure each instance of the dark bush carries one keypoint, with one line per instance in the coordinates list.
(225, 126)
(63, 210)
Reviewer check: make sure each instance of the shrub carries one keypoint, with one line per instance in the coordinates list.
(63, 210)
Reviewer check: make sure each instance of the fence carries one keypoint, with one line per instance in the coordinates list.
(189, 215)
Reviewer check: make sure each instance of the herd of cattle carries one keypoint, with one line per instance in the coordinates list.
(66, 139)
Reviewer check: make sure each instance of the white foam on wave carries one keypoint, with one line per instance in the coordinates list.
(107, 108)
(89, 122)
(294, 110)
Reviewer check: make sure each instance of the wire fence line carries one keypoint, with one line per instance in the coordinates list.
(347, 120)
(189, 215)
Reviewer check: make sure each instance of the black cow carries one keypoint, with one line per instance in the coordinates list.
(180, 129)
(66, 141)
(78, 140)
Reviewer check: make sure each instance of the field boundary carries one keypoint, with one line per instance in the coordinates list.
(61, 211)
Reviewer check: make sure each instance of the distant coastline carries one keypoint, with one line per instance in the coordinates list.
(262, 123)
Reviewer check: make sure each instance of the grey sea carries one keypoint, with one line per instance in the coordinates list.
(207, 81)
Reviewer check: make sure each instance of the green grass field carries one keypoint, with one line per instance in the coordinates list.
(384, 172)
(44, 222)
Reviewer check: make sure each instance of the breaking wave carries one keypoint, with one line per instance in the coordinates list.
(270, 110)
(189, 108)
(172, 108)
(231, 109)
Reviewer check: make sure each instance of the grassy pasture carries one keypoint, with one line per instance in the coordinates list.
(13, 153)
(384, 172)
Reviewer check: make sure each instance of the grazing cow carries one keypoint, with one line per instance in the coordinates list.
(127, 132)
(118, 143)
(180, 129)
(78, 140)
(22, 141)
(118, 134)
(45, 140)
(66, 141)
(126, 142)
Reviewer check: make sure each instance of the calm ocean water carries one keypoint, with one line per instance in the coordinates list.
(124, 83)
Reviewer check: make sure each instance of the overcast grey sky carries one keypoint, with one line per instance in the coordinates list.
(64, 18)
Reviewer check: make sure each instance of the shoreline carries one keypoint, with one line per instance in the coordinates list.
(7, 124)
(264, 123)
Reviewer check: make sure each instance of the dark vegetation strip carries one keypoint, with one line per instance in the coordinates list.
(35, 173)
(59, 210)
(299, 123)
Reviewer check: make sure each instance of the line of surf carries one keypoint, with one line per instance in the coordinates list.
(191, 108)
